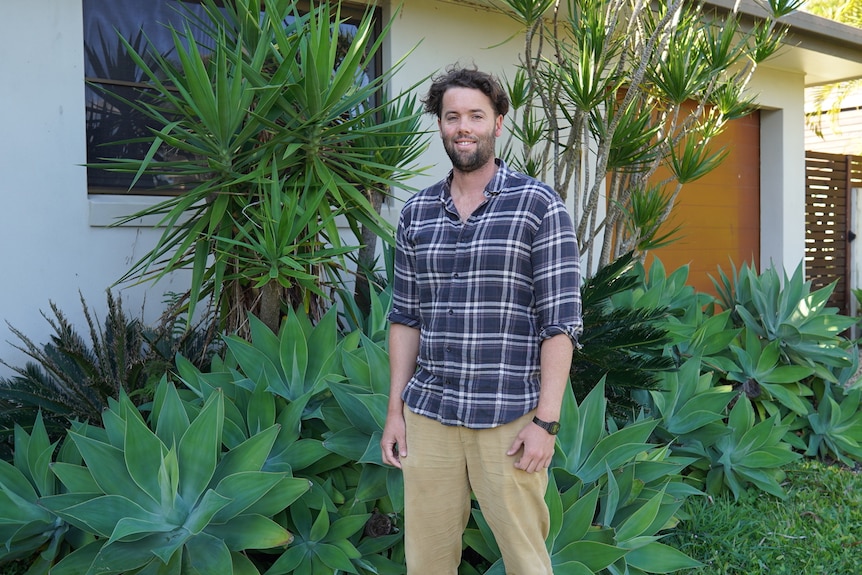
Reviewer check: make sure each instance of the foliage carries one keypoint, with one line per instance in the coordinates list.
(611, 495)
(168, 499)
(813, 530)
(28, 530)
(618, 102)
(73, 378)
(284, 136)
(622, 342)
(326, 393)
(309, 402)
(270, 446)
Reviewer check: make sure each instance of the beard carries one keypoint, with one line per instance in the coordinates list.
(470, 161)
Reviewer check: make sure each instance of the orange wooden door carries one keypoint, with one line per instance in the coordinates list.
(719, 214)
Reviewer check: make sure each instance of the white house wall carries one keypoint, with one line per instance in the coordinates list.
(782, 167)
(48, 249)
(53, 242)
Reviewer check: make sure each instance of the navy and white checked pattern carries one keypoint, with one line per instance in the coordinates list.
(484, 293)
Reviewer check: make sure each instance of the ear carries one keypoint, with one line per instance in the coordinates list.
(498, 125)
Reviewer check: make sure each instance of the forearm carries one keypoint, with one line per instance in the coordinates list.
(403, 353)
(556, 362)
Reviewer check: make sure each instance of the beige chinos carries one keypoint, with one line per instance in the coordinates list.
(443, 465)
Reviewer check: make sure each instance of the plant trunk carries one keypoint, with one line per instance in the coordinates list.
(270, 305)
(365, 258)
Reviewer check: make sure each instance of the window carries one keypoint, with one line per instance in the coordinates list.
(109, 119)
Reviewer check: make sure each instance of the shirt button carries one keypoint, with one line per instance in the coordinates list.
(451, 311)
(455, 275)
(448, 348)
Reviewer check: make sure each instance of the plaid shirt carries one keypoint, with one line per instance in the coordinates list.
(484, 294)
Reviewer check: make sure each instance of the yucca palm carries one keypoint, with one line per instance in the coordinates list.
(616, 102)
(279, 121)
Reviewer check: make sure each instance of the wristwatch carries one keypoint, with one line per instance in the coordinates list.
(552, 427)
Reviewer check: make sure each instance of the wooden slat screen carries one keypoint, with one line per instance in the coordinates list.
(829, 180)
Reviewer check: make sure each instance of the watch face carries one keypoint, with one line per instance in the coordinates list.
(553, 427)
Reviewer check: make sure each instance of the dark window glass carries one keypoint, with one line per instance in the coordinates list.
(107, 65)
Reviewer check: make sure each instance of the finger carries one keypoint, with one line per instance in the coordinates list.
(515, 446)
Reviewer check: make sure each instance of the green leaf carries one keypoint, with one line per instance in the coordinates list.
(199, 449)
(143, 452)
(250, 532)
(660, 558)
(596, 556)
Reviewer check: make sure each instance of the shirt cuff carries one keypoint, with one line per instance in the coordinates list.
(552, 330)
(396, 316)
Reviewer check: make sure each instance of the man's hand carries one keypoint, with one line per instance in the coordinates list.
(393, 444)
(538, 448)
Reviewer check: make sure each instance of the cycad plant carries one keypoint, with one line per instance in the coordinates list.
(624, 337)
(286, 136)
(76, 373)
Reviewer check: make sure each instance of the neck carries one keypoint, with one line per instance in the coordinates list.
(474, 182)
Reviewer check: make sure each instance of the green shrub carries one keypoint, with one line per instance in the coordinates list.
(73, 376)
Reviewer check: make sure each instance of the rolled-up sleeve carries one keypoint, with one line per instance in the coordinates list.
(556, 275)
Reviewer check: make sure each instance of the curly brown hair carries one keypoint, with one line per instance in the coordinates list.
(459, 77)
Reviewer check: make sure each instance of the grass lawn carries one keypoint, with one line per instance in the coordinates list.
(817, 530)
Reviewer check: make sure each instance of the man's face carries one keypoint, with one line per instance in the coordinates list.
(469, 128)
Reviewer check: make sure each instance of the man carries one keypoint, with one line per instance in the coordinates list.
(485, 315)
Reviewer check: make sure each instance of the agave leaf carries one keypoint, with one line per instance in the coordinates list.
(205, 511)
(293, 356)
(169, 414)
(13, 482)
(113, 476)
(199, 449)
(76, 478)
(366, 411)
(99, 514)
(301, 454)
(578, 518)
(251, 455)
(639, 522)
(144, 452)
(131, 528)
(251, 532)
(80, 560)
(243, 490)
(660, 558)
(206, 554)
(596, 556)
(616, 448)
(572, 568)
(260, 412)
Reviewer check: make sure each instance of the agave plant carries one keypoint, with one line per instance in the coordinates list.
(326, 392)
(27, 529)
(168, 500)
(789, 313)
